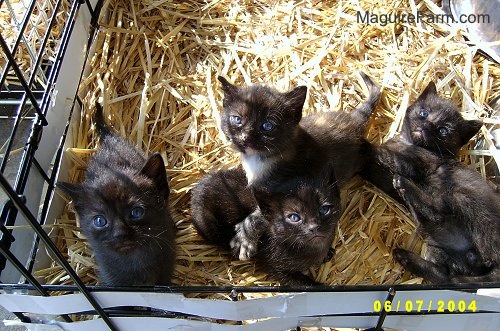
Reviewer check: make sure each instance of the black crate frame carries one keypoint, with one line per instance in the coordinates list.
(32, 95)
(16, 202)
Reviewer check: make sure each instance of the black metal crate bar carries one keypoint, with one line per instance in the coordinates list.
(29, 98)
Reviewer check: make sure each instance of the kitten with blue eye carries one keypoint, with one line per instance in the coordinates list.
(431, 122)
(456, 211)
(276, 143)
(297, 224)
(122, 207)
(434, 123)
(458, 214)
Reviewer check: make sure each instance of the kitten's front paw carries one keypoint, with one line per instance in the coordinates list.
(241, 245)
(398, 183)
(489, 264)
(402, 256)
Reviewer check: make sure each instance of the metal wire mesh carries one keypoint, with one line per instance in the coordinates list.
(34, 41)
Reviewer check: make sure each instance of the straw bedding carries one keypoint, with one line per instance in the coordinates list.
(155, 67)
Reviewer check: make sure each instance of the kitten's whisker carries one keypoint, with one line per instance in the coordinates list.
(281, 154)
(438, 149)
(447, 149)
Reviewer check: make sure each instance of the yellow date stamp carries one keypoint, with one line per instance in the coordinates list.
(420, 306)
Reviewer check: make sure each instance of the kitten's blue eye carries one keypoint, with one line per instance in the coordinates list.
(137, 213)
(294, 218)
(423, 113)
(100, 221)
(324, 210)
(267, 126)
(443, 131)
(235, 120)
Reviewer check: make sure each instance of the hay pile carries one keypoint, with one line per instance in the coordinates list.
(155, 68)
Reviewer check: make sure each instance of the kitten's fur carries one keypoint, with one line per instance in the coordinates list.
(293, 145)
(284, 247)
(129, 195)
(458, 214)
(423, 121)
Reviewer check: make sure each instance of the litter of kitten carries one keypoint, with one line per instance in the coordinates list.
(155, 68)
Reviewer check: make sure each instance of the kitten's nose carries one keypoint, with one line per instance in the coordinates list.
(313, 227)
(120, 231)
(426, 126)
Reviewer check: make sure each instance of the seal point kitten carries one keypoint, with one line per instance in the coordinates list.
(122, 206)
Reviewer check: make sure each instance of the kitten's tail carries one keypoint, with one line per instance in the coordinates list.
(102, 129)
(364, 110)
(491, 277)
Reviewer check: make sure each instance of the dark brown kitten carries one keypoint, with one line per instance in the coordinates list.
(276, 143)
(431, 122)
(296, 225)
(122, 206)
(435, 123)
(458, 214)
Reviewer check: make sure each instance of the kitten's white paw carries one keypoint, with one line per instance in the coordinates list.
(398, 183)
(242, 246)
(247, 250)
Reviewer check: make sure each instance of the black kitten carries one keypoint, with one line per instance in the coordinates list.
(458, 214)
(431, 122)
(276, 143)
(297, 220)
(435, 123)
(123, 210)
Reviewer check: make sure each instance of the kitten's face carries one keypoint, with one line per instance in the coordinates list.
(120, 216)
(435, 123)
(258, 119)
(304, 217)
(122, 211)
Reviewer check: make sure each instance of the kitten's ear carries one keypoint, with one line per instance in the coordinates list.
(155, 170)
(74, 191)
(230, 90)
(428, 91)
(295, 99)
(469, 129)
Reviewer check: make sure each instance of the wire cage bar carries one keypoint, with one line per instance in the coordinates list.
(27, 94)
(20, 101)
